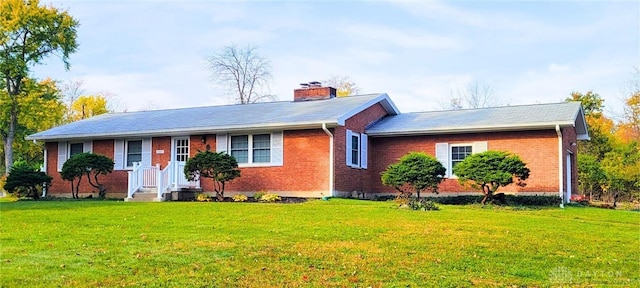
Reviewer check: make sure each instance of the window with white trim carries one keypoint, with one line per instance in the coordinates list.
(134, 152)
(251, 148)
(449, 155)
(66, 150)
(75, 148)
(261, 148)
(459, 153)
(356, 148)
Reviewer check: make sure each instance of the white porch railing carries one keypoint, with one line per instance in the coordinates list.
(164, 177)
(150, 176)
(182, 181)
(171, 178)
(135, 180)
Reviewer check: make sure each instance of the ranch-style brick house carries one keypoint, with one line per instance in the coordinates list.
(316, 145)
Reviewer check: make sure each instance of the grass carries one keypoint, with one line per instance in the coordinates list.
(339, 243)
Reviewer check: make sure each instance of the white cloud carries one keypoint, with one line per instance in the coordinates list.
(151, 55)
(401, 38)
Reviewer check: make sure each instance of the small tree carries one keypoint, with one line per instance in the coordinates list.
(415, 172)
(25, 180)
(221, 167)
(89, 164)
(490, 170)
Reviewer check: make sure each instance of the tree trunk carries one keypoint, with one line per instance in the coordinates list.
(220, 194)
(75, 196)
(8, 141)
(485, 191)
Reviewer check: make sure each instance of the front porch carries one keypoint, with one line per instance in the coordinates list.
(150, 183)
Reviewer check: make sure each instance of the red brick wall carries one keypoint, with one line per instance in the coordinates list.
(162, 145)
(304, 173)
(349, 179)
(538, 149)
(116, 182)
(196, 144)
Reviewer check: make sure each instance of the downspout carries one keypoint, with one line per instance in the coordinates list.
(44, 169)
(560, 168)
(331, 177)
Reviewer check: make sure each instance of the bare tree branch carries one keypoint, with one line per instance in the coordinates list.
(474, 95)
(243, 72)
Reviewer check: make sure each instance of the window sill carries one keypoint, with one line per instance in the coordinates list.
(251, 165)
(356, 167)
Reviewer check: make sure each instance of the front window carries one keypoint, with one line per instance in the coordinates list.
(249, 149)
(240, 148)
(75, 148)
(262, 148)
(134, 152)
(355, 150)
(458, 153)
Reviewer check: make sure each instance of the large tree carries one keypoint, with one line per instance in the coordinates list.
(599, 126)
(491, 170)
(245, 73)
(39, 108)
(87, 106)
(29, 33)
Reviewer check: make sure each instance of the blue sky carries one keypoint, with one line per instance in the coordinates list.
(151, 55)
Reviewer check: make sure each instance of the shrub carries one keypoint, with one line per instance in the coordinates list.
(240, 198)
(402, 200)
(203, 197)
(25, 181)
(415, 172)
(491, 170)
(88, 164)
(220, 167)
(258, 195)
(511, 200)
(270, 197)
(423, 205)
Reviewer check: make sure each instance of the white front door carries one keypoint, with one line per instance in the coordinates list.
(179, 156)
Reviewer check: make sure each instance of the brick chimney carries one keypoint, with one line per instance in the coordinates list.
(313, 91)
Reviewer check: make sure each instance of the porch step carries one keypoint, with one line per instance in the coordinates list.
(141, 196)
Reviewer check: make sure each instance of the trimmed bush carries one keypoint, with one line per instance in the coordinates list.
(240, 198)
(25, 181)
(270, 197)
(259, 195)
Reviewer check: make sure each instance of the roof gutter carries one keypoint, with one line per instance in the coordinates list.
(177, 131)
(455, 130)
(560, 168)
(331, 176)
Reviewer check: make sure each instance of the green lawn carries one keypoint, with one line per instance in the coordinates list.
(343, 243)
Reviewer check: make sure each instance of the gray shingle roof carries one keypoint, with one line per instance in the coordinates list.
(212, 119)
(523, 117)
